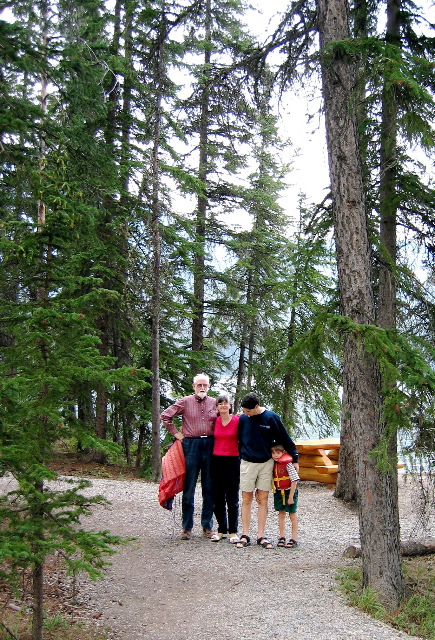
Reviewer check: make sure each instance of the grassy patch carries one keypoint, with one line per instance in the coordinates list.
(416, 615)
(18, 625)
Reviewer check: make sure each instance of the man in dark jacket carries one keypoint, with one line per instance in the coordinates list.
(259, 429)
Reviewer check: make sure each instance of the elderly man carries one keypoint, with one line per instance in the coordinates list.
(198, 414)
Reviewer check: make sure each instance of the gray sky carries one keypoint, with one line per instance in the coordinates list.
(309, 173)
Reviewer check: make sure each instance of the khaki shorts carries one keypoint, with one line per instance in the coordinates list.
(256, 475)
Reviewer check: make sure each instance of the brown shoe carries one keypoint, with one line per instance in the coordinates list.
(186, 535)
(207, 533)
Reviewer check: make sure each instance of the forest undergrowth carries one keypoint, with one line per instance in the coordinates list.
(416, 615)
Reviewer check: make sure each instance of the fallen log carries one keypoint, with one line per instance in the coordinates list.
(407, 548)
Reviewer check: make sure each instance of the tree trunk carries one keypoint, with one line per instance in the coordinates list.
(240, 373)
(386, 315)
(38, 599)
(288, 404)
(407, 548)
(85, 407)
(362, 30)
(122, 417)
(126, 437)
(243, 346)
(250, 363)
(388, 199)
(102, 394)
(106, 225)
(37, 510)
(377, 491)
(199, 269)
(141, 438)
(346, 488)
(156, 244)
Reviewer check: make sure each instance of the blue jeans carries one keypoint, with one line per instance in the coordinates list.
(198, 453)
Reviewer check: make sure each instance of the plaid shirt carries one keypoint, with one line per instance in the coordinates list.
(198, 416)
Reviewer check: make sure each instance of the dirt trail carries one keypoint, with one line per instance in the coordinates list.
(159, 587)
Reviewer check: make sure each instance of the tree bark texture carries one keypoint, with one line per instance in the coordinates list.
(38, 599)
(156, 242)
(288, 402)
(102, 393)
(346, 488)
(199, 270)
(240, 372)
(388, 198)
(377, 491)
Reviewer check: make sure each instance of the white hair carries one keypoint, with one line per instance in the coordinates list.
(201, 375)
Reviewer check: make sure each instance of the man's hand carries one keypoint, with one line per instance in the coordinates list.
(179, 436)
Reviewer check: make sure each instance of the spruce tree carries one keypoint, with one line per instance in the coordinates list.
(52, 344)
(361, 375)
(217, 120)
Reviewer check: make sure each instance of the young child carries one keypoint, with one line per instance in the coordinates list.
(285, 481)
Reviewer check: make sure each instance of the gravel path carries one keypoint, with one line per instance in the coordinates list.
(161, 588)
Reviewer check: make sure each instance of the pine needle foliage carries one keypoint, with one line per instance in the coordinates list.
(405, 360)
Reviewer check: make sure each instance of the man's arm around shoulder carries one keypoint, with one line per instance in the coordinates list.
(288, 443)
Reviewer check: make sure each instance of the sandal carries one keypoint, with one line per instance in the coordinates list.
(265, 543)
(216, 537)
(291, 544)
(281, 542)
(244, 541)
(186, 535)
(234, 538)
(207, 533)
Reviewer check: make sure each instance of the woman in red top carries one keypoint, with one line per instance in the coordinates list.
(226, 471)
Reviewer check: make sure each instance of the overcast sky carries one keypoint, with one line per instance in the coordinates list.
(309, 173)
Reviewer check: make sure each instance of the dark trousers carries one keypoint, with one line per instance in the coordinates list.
(198, 454)
(226, 482)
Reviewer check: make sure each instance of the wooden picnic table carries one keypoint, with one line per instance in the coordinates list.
(318, 460)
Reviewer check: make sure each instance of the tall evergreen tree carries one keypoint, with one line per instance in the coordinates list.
(52, 344)
(305, 375)
(217, 118)
(377, 490)
(392, 62)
